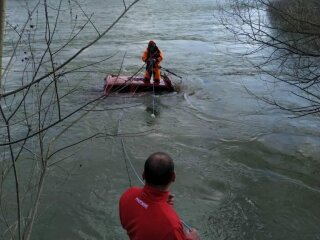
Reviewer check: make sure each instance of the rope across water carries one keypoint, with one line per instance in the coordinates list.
(153, 94)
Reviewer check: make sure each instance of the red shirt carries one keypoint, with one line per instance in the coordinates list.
(146, 215)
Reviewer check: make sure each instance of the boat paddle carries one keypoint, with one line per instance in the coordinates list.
(170, 72)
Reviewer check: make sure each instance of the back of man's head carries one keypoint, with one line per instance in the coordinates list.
(158, 169)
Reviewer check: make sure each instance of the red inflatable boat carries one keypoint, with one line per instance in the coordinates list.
(129, 84)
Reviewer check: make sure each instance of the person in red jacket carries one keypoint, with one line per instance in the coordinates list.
(152, 56)
(147, 213)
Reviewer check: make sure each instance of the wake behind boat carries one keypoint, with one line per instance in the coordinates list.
(131, 84)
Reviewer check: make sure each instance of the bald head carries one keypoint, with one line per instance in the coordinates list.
(159, 169)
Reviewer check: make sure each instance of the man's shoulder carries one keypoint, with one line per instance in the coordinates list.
(131, 191)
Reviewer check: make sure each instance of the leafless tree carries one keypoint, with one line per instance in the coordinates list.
(34, 111)
(286, 36)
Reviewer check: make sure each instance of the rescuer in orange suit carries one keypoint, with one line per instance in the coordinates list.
(152, 56)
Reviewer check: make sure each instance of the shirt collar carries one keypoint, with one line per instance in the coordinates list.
(154, 194)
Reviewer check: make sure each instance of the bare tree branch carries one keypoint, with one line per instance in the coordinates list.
(287, 36)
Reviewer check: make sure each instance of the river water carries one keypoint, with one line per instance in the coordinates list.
(245, 170)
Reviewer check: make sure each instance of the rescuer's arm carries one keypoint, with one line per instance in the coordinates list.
(192, 234)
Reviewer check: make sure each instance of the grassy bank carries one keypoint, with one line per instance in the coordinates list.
(298, 21)
(296, 15)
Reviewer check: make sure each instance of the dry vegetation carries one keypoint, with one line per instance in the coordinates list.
(286, 35)
(297, 17)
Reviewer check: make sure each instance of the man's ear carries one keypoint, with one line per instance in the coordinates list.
(173, 177)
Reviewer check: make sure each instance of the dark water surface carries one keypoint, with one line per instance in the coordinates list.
(244, 169)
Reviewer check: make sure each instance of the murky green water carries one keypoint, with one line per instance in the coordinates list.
(244, 169)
